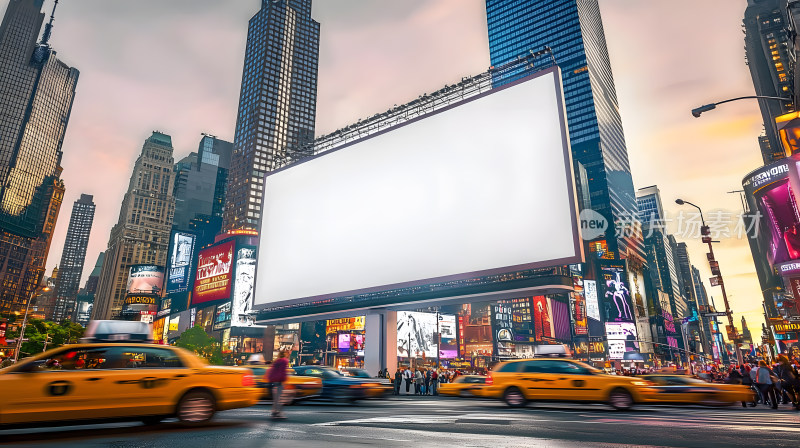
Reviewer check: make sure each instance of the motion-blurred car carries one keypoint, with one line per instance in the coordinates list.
(120, 381)
(682, 389)
(338, 387)
(298, 387)
(546, 379)
(464, 386)
(356, 373)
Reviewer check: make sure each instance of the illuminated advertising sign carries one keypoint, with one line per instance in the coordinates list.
(344, 324)
(214, 271)
(522, 320)
(416, 334)
(542, 321)
(616, 293)
(145, 279)
(179, 266)
(592, 305)
(449, 336)
(140, 299)
(578, 302)
(243, 284)
(222, 317)
(344, 342)
(621, 339)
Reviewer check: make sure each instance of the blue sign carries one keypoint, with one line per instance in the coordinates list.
(181, 260)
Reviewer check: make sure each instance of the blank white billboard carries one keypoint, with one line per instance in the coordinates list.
(479, 188)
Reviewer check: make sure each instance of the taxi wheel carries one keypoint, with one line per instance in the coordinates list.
(196, 408)
(620, 399)
(514, 398)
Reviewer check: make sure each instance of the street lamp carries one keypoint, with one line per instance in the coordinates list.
(706, 238)
(696, 112)
(25, 321)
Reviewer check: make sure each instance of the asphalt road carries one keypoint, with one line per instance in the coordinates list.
(437, 421)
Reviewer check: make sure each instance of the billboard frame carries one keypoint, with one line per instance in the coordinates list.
(577, 247)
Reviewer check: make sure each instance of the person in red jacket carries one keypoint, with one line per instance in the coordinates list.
(277, 376)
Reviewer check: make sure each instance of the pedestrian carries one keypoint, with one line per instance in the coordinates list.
(764, 382)
(435, 382)
(744, 370)
(788, 378)
(427, 390)
(277, 376)
(418, 382)
(398, 378)
(408, 376)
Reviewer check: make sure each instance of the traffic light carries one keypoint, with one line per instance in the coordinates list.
(705, 230)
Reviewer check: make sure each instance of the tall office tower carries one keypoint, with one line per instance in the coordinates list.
(36, 94)
(277, 103)
(73, 256)
(141, 236)
(684, 265)
(770, 57)
(573, 29)
(648, 204)
(94, 277)
(201, 181)
(85, 300)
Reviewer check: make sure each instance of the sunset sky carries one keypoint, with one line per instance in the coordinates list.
(175, 66)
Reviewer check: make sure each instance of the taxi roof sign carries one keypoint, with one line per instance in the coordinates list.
(118, 331)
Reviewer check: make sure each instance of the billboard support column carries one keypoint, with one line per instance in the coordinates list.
(269, 343)
(380, 341)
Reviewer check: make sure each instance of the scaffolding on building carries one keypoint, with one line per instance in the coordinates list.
(524, 65)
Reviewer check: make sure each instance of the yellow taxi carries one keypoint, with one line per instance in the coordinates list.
(120, 381)
(464, 386)
(683, 389)
(553, 379)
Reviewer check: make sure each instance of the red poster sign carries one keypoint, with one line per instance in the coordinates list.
(213, 280)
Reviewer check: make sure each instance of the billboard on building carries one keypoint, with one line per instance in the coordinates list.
(416, 334)
(222, 316)
(410, 225)
(592, 304)
(622, 339)
(214, 272)
(145, 279)
(617, 305)
(773, 192)
(344, 324)
(448, 335)
(578, 302)
(179, 265)
(243, 285)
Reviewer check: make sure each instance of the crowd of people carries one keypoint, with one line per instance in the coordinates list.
(422, 381)
(774, 384)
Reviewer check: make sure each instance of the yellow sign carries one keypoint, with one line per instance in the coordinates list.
(140, 300)
(783, 328)
(345, 324)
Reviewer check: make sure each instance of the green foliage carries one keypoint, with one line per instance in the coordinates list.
(37, 331)
(198, 341)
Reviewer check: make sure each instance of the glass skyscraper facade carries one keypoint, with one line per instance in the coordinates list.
(574, 31)
(73, 257)
(36, 95)
(277, 103)
(201, 181)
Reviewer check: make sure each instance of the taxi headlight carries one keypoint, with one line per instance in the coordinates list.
(640, 383)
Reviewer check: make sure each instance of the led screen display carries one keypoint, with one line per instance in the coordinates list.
(416, 333)
(145, 279)
(243, 284)
(456, 193)
(621, 339)
(214, 268)
(179, 266)
(616, 293)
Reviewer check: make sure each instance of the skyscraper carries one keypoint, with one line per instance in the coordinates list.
(769, 55)
(36, 95)
(277, 103)
(141, 236)
(201, 181)
(574, 31)
(73, 256)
